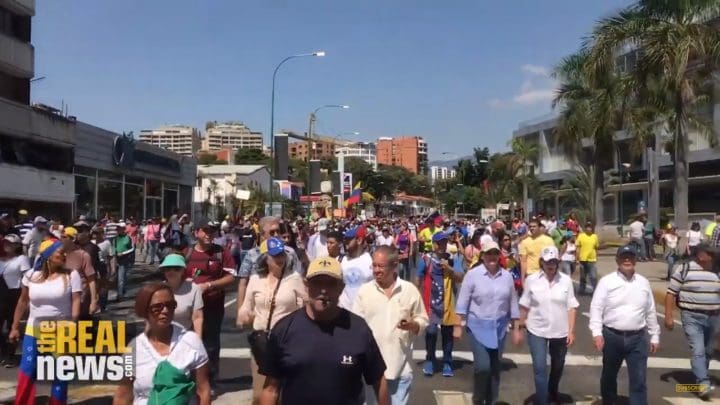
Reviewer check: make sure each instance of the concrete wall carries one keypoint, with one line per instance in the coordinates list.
(94, 149)
(31, 184)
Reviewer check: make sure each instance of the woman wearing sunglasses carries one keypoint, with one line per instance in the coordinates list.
(171, 364)
(273, 293)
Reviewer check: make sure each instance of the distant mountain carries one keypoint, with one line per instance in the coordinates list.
(447, 163)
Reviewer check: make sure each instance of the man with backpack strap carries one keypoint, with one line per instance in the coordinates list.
(695, 288)
(212, 269)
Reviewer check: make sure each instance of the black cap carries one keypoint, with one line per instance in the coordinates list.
(626, 250)
(207, 224)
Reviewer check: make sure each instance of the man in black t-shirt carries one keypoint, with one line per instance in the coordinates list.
(321, 354)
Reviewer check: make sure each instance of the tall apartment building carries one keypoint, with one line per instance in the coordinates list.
(234, 135)
(410, 152)
(181, 139)
(441, 173)
(17, 55)
(366, 151)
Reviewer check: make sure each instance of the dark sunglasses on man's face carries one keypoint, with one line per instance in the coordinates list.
(158, 308)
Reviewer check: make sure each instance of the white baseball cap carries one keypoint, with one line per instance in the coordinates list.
(489, 246)
(550, 253)
(322, 224)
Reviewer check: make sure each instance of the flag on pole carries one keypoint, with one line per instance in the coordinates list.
(355, 196)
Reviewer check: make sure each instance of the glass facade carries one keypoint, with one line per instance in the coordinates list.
(109, 199)
(99, 193)
(85, 196)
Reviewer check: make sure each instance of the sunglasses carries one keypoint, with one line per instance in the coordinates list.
(158, 308)
(273, 232)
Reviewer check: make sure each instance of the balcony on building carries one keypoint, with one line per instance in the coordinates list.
(16, 58)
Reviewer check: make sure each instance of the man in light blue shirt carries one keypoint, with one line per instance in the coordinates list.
(487, 304)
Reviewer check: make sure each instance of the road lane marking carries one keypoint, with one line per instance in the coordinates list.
(522, 359)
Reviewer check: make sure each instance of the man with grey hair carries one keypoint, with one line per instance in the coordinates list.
(394, 310)
(269, 228)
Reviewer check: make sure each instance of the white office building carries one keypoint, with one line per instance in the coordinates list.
(181, 139)
(234, 135)
(441, 173)
(366, 151)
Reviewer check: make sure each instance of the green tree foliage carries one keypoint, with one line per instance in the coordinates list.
(206, 160)
(247, 156)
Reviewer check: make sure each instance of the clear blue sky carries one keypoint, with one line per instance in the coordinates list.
(459, 73)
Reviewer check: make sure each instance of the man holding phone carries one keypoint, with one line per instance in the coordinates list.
(438, 275)
(394, 310)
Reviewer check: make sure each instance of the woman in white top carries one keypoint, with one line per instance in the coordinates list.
(568, 254)
(165, 351)
(108, 264)
(50, 292)
(548, 309)
(670, 240)
(12, 268)
(276, 285)
(189, 312)
(695, 237)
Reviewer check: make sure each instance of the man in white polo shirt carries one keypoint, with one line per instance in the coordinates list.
(622, 315)
(394, 310)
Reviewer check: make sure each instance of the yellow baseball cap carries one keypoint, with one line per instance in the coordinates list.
(324, 266)
(70, 232)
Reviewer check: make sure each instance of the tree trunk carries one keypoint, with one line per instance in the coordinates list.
(682, 170)
(598, 189)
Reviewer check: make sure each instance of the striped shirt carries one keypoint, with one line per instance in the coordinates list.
(698, 290)
(111, 230)
(23, 229)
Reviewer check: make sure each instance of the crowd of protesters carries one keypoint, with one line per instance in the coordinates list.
(375, 283)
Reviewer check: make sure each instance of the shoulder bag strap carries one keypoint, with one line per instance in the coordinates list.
(272, 304)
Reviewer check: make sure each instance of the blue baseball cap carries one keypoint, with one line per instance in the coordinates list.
(275, 246)
(439, 236)
(626, 250)
(560, 222)
(522, 229)
(355, 232)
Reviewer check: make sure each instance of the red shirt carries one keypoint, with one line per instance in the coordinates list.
(204, 267)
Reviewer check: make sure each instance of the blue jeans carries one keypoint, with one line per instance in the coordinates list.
(700, 329)
(588, 269)
(633, 349)
(431, 342)
(640, 246)
(121, 273)
(151, 249)
(539, 348)
(567, 267)
(671, 259)
(398, 389)
(487, 365)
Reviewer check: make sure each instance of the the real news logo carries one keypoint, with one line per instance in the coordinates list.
(83, 351)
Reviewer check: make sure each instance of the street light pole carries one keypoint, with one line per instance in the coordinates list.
(312, 155)
(272, 118)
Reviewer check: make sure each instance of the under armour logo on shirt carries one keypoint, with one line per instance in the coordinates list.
(347, 360)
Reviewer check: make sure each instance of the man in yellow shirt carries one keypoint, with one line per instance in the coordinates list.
(426, 235)
(531, 247)
(587, 246)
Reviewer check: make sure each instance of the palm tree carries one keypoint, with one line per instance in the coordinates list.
(591, 107)
(679, 46)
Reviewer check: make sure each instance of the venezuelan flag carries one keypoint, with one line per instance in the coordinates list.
(25, 391)
(355, 196)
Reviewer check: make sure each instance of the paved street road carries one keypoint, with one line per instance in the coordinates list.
(580, 383)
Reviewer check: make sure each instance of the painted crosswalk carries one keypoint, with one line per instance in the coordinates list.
(669, 363)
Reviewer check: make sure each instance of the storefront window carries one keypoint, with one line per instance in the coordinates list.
(135, 180)
(109, 199)
(104, 174)
(85, 196)
(186, 199)
(153, 208)
(133, 201)
(153, 188)
(170, 204)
